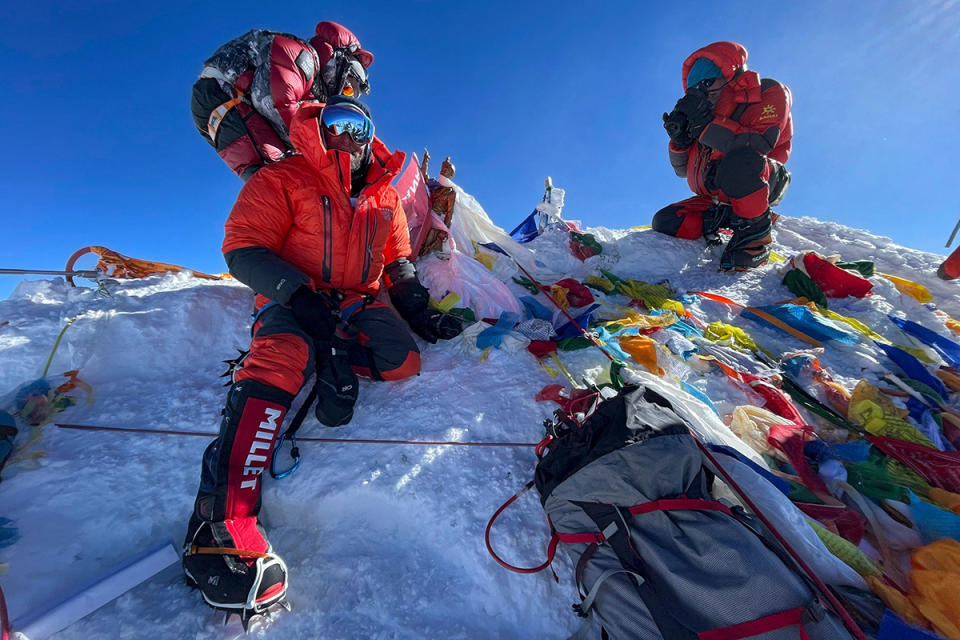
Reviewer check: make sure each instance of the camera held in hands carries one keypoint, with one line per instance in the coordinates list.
(690, 115)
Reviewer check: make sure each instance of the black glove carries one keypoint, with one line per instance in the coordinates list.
(433, 325)
(411, 300)
(316, 313)
(337, 384)
(678, 128)
(688, 118)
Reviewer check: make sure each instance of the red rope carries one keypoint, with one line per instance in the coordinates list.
(824, 589)
(551, 549)
(546, 292)
(171, 432)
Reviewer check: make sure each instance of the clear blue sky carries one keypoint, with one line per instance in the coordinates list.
(100, 147)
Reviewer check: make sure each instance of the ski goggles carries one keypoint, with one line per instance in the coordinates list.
(708, 83)
(354, 78)
(340, 119)
(345, 75)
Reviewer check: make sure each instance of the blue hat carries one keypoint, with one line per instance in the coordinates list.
(701, 70)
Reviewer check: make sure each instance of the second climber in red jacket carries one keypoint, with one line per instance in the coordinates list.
(251, 87)
(729, 137)
(312, 234)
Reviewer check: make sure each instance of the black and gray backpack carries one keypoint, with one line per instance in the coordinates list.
(628, 493)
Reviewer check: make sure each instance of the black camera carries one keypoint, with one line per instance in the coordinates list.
(678, 128)
(690, 115)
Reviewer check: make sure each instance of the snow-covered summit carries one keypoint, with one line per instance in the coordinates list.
(382, 541)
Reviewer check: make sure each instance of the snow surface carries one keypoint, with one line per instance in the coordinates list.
(382, 541)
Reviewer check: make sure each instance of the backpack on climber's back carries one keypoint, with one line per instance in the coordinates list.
(656, 557)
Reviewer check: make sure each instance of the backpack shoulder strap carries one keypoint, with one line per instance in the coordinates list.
(765, 83)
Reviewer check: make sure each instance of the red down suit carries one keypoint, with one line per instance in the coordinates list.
(294, 224)
(750, 115)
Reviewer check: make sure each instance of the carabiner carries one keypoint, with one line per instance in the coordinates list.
(294, 453)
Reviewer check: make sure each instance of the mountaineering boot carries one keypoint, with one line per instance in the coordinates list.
(750, 245)
(229, 578)
(226, 554)
(715, 218)
(337, 384)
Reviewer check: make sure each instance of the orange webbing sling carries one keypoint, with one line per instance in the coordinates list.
(117, 265)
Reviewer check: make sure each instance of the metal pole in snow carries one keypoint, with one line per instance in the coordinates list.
(954, 234)
(43, 272)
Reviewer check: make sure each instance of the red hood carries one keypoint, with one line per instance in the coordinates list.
(330, 36)
(306, 138)
(731, 57)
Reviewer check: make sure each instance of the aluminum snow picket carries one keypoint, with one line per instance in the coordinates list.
(63, 612)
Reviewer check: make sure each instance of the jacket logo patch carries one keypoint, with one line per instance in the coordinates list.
(387, 213)
(769, 111)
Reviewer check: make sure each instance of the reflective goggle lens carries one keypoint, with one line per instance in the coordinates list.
(355, 74)
(339, 119)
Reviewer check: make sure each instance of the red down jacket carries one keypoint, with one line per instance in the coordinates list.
(750, 112)
(293, 222)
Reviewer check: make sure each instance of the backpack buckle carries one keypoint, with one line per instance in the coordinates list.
(813, 612)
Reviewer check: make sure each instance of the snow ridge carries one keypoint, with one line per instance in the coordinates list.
(382, 541)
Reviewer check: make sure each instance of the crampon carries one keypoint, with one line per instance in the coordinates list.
(236, 581)
(271, 601)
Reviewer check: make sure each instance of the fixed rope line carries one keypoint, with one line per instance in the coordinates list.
(172, 432)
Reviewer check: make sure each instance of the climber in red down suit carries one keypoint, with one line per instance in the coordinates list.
(729, 137)
(312, 235)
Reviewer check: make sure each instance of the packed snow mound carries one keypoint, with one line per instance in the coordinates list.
(382, 541)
